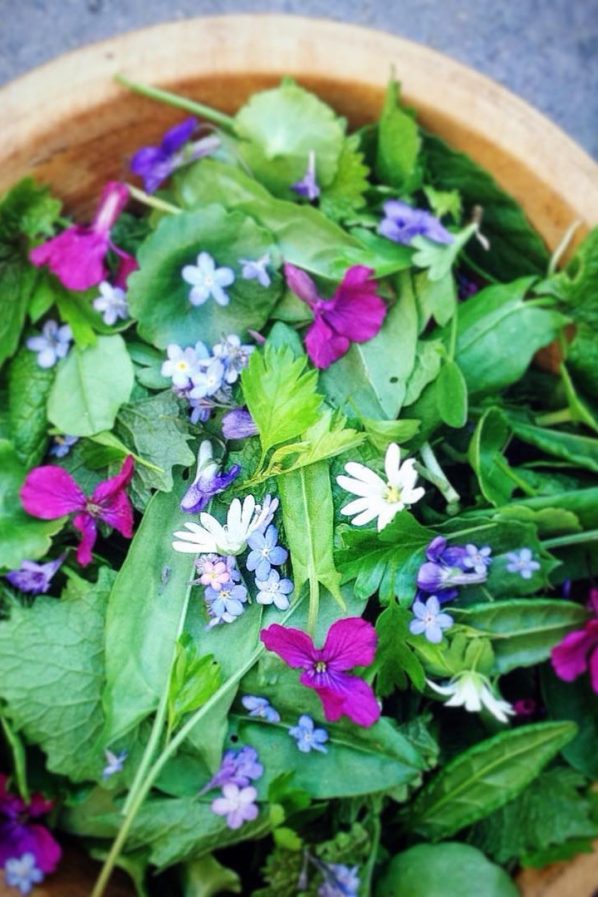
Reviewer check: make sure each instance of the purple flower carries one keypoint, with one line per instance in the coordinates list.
(402, 223)
(233, 356)
(340, 881)
(578, 651)
(61, 446)
(525, 707)
(237, 804)
(32, 577)
(309, 738)
(446, 568)
(207, 281)
(265, 552)
(477, 559)
(466, 287)
(429, 621)
(19, 836)
(237, 767)
(22, 873)
(260, 708)
(522, 562)
(208, 482)
(238, 424)
(257, 270)
(156, 163)
(114, 763)
(52, 344)
(308, 185)
(274, 590)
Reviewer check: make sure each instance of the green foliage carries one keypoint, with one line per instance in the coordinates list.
(435, 298)
(54, 698)
(382, 432)
(428, 361)
(486, 456)
(28, 389)
(17, 285)
(485, 777)
(579, 450)
(345, 194)
(29, 210)
(399, 143)
(207, 877)
(575, 701)
(90, 386)
(451, 395)
(396, 661)
(194, 679)
(439, 258)
(445, 202)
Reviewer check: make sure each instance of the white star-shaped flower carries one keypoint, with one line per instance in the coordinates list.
(207, 280)
(377, 497)
(211, 537)
(472, 691)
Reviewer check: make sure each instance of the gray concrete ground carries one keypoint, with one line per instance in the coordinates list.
(544, 50)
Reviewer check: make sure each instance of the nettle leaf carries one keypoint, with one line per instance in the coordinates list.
(385, 562)
(485, 777)
(522, 632)
(486, 456)
(451, 395)
(399, 144)
(344, 196)
(575, 701)
(159, 297)
(54, 698)
(21, 537)
(91, 385)
(279, 128)
(280, 394)
(395, 661)
(28, 389)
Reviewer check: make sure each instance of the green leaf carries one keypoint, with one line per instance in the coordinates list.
(28, 389)
(444, 202)
(399, 144)
(451, 395)
(345, 194)
(435, 298)
(325, 439)
(580, 450)
(194, 679)
(575, 701)
(428, 361)
(523, 632)
(207, 877)
(382, 432)
(279, 128)
(280, 394)
(17, 284)
(75, 312)
(486, 456)
(485, 777)
(21, 537)
(159, 297)
(439, 258)
(90, 386)
(27, 209)
(395, 659)
(444, 870)
(54, 698)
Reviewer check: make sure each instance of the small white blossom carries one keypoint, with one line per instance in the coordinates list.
(257, 270)
(211, 537)
(208, 281)
(379, 498)
(112, 303)
(182, 364)
(472, 691)
(53, 343)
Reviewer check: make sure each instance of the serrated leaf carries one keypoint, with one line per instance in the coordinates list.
(439, 258)
(325, 439)
(345, 195)
(29, 209)
(395, 660)
(28, 389)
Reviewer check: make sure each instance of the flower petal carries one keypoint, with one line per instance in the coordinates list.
(350, 643)
(87, 526)
(324, 346)
(106, 490)
(294, 646)
(356, 311)
(49, 492)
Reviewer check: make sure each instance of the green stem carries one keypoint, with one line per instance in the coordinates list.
(554, 417)
(562, 247)
(453, 336)
(476, 268)
(438, 477)
(153, 202)
(172, 99)
(573, 539)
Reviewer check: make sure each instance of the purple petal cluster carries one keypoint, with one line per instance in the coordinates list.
(448, 567)
(402, 223)
(261, 708)
(34, 578)
(238, 424)
(339, 880)
(20, 835)
(156, 163)
(237, 801)
(308, 186)
(209, 480)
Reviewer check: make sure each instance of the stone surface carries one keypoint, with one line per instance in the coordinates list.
(546, 52)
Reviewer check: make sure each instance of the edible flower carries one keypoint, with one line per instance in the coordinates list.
(23, 873)
(77, 255)
(52, 344)
(156, 163)
(377, 497)
(238, 424)
(401, 223)
(32, 577)
(450, 566)
(471, 690)
(578, 651)
(239, 767)
(233, 355)
(309, 738)
(225, 604)
(211, 537)
(209, 481)
(353, 315)
(261, 708)
(114, 763)
(237, 804)
(265, 552)
(339, 880)
(51, 492)
(349, 643)
(429, 621)
(257, 270)
(308, 185)
(61, 445)
(207, 281)
(274, 590)
(20, 836)
(522, 562)
(182, 364)
(112, 303)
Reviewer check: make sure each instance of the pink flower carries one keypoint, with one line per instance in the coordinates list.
(77, 255)
(353, 315)
(579, 649)
(19, 836)
(50, 492)
(349, 643)
(127, 265)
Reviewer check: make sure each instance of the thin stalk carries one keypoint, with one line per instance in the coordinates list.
(562, 247)
(476, 268)
(226, 122)
(573, 539)
(554, 417)
(153, 202)
(439, 478)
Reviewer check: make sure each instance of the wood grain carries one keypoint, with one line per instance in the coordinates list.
(72, 127)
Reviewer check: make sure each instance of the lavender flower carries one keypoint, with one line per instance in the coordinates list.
(257, 270)
(61, 446)
(23, 873)
(182, 364)
(208, 281)
(237, 767)
(156, 163)
(340, 880)
(477, 559)
(52, 344)
(209, 481)
(34, 578)
(233, 355)
(522, 562)
(265, 552)
(308, 185)
(207, 380)
(274, 590)
(429, 621)
(226, 604)
(260, 708)
(237, 804)
(446, 568)
(402, 223)
(112, 302)
(309, 738)
(238, 424)
(114, 763)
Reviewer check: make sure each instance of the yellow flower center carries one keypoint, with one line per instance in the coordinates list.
(320, 666)
(392, 495)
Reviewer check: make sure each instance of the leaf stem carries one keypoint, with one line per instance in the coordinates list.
(438, 477)
(153, 202)
(562, 247)
(572, 539)
(226, 122)
(554, 417)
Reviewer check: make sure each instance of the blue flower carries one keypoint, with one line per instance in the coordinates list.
(308, 185)
(257, 270)
(308, 737)
(225, 605)
(340, 880)
(208, 281)
(265, 552)
(274, 590)
(238, 424)
(209, 481)
(32, 577)
(61, 446)
(429, 621)
(207, 380)
(477, 559)
(22, 873)
(233, 356)
(52, 344)
(522, 562)
(402, 223)
(112, 302)
(237, 767)
(181, 364)
(261, 708)
(114, 763)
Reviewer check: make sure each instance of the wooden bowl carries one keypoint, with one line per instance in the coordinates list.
(69, 125)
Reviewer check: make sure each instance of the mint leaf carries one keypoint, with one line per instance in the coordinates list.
(28, 389)
(399, 144)
(345, 195)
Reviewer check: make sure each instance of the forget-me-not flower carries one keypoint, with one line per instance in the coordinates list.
(522, 562)
(112, 303)
(257, 270)
(207, 281)
(22, 873)
(233, 355)
(207, 380)
(477, 559)
(61, 445)
(52, 344)
(308, 185)
(114, 763)
(237, 804)
(181, 364)
(274, 590)
(226, 604)
(260, 708)
(309, 738)
(428, 620)
(265, 552)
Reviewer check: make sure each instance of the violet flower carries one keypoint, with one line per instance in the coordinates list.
(402, 223)
(34, 578)
(238, 424)
(156, 163)
(61, 445)
(208, 480)
(20, 836)
(50, 492)
(237, 767)
(578, 651)
(237, 804)
(445, 568)
(77, 255)
(349, 643)
(308, 185)
(353, 315)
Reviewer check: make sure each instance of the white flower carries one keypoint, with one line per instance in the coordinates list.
(181, 365)
(472, 691)
(207, 280)
(378, 498)
(112, 302)
(257, 270)
(211, 537)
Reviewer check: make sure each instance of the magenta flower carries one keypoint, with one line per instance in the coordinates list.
(77, 255)
(349, 643)
(18, 835)
(579, 650)
(50, 492)
(353, 315)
